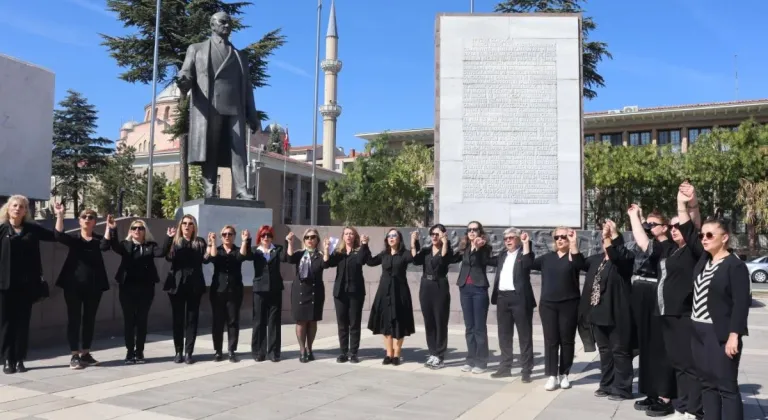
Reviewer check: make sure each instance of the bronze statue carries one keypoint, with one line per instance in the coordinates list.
(221, 105)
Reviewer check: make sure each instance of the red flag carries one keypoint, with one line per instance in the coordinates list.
(286, 142)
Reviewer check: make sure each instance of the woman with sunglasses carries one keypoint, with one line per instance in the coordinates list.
(392, 308)
(721, 300)
(21, 279)
(558, 304)
(185, 285)
(474, 254)
(83, 279)
(267, 296)
(434, 292)
(349, 256)
(136, 278)
(656, 377)
(226, 291)
(308, 291)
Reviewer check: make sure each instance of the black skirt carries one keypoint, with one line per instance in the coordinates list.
(307, 299)
(392, 317)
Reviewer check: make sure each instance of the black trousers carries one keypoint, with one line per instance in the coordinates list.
(82, 305)
(435, 300)
(655, 377)
(225, 306)
(513, 312)
(136, 300)
(677, 331)
(185, 311)
(349, 316)
(718, 374)
(559, 321)
(616, 372)
(15, 313)
(267, 309)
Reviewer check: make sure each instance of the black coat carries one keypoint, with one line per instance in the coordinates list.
(186, 266)
(349, 271)
(137, 261)
(227, 269)
(393, 300)
(474, 265)
(78, 248)
(266, 274)
(30, 261)
(728, 299)
(521, 276)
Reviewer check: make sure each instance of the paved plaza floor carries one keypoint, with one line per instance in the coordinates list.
(162, 390)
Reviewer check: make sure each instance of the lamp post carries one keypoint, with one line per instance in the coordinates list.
(315, 110)
(256, 164)
(153, 112)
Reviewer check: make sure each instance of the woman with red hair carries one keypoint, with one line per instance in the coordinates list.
(267, 296)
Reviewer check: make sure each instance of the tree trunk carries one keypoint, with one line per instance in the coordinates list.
(183, 167)
(752, 238)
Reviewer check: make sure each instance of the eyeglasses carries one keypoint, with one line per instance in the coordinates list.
(510, 238)
(225, 234)
(138, 228)
(392, 235)
(308, 237)
(559, 237)
(88, 217)
(708, 235)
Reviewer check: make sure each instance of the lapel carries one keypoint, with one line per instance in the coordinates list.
(206, 53)
(224, 63)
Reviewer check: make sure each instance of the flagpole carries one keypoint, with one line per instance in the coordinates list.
(153, 113)
(285, 164)
(315, 110)
(471, 6)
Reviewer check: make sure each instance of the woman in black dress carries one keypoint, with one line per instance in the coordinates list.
(226, 291)
(267, 296)
(392, 309)
(434, 293)
(136, 278)
(21, 279)
(307, 291)
(185, 285)
(83, 279)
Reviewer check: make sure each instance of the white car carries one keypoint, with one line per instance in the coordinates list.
(758, 269)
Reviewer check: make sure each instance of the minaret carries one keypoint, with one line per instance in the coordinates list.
(330, 110)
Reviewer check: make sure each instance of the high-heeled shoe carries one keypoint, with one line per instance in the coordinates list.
(310, 356)
(304, 358)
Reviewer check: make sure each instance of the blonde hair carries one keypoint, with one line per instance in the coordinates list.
(341, 247)
(308, 231)
(147, 234)
(554, 243)
(91, 212)
(179, 236)
(5, 214)
(228, 227)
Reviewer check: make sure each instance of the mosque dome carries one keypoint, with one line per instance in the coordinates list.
(129, 125)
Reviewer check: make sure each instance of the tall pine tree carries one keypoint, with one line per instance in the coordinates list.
(182, 22)
(275, 140)
(77, 155)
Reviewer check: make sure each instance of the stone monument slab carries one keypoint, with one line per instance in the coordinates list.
(212, 214)
(26, 128)
(508, 148)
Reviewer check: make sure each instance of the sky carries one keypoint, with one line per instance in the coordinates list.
(665, 52)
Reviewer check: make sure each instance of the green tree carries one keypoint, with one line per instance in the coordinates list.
(384, 187)
(118, 174)
(753, 197)
(182, 22)
(275, 141)
(77, 155)
(170, 200)
(136, 202)
(593, 52)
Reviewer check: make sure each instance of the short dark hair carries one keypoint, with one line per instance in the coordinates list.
(657, 214)
(438, 226)
(401, 245)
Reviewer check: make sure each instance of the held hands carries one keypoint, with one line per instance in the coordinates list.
(479, 242)
(572, 238)
(606, 230)
(245, 235)
(732, 346)
(211, 238)
(363, 239)
(111, 223)
(612, 230)
(59, 209)
(171, 232)
(290, 237)
(326, 245)
(524, 237)
(634, 210)
(686, 193)
(414, 238)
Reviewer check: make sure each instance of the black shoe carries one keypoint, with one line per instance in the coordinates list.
(395, 361)
(217, 357)
(188, 359)
(260, 358)
(601, 394)
(526, 378)
(274, 359)
(178, 358)
(501, 373)
(9, 368)
(130, 358)
(310, 356)
(387, 360)
(140, 357)
(660, 409)
(304, 358)
(233, 357)
(353, 359)
(88, 360)
(645, 404)
(74, 363)
(20, 367)
(342, 358)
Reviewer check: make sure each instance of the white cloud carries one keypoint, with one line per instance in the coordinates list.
(291, 68)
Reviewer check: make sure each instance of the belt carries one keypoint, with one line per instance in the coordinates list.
(642, 278)
(431, 277)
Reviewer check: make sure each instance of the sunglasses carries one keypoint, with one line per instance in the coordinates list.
(473, 229)
(708, 235)
(558, 237)
(675, 226)
(652, 225)
(87, 217)
(510, 238)
(138, 228)
(225, 234)
(392, 235)
(308, 237)
(434, 234)
(187, 223)
(266, 235)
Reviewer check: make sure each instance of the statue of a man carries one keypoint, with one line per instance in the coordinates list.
(221, 105)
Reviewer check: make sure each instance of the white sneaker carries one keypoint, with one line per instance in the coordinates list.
(564, 382)
(551, 383)
(466, 368)
(430, 361)
(478, 370)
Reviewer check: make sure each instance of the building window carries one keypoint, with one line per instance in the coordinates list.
(288, 206)
(640, 138)
(729, 127)
(670, 137)
(614, 139)
(589, 138)
(694, 133)
(218, 185)
(308, 206)
(166, 113)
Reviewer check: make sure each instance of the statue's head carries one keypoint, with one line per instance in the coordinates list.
(221, 24)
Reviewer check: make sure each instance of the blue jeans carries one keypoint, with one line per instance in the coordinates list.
(474, 305)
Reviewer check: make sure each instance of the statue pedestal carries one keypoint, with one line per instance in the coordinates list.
(213, 214)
